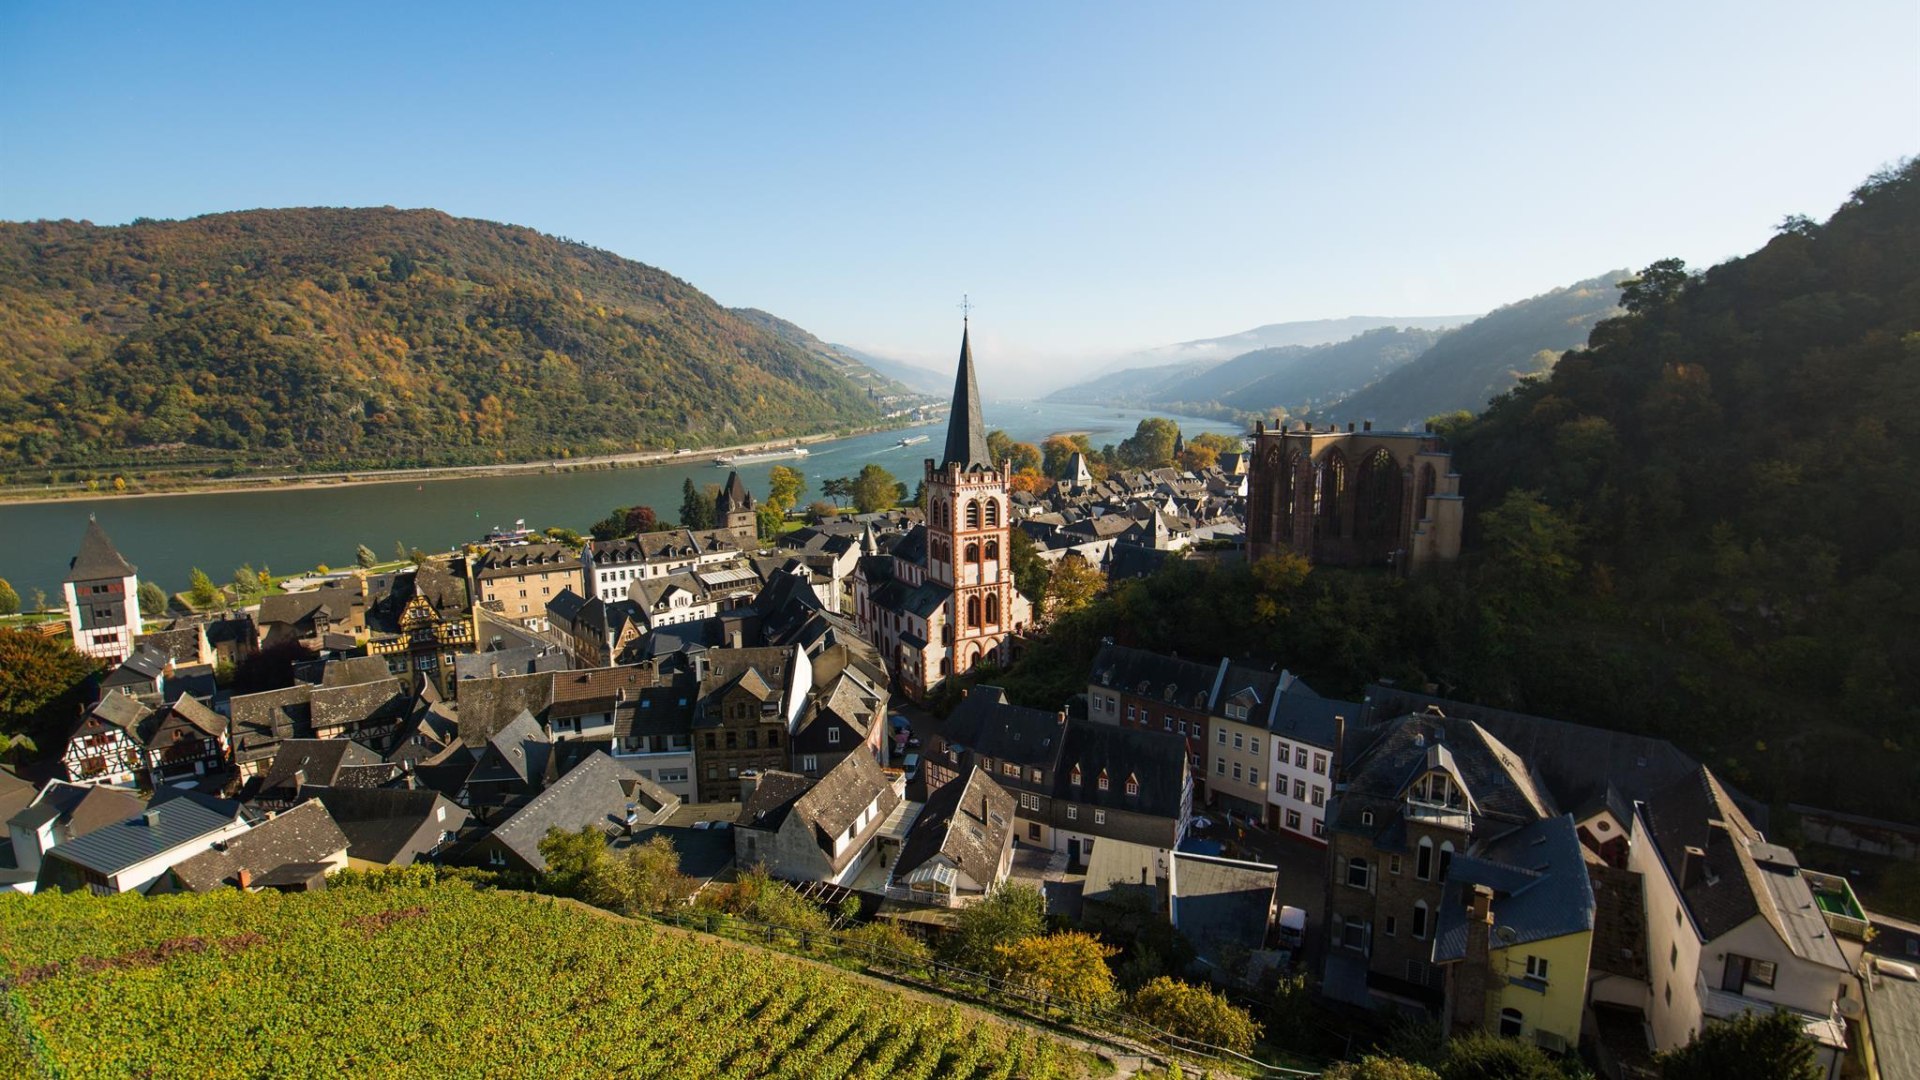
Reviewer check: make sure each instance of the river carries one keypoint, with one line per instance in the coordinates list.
(166, 536)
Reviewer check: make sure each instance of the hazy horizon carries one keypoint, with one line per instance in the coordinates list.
(1098, 180)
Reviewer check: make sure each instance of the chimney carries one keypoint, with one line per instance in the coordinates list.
(246, 879)
(632, 818)
(1470, 983)
(150, 816)
(1693, 867)
(1259, 427)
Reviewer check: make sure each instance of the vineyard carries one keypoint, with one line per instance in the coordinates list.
(444, 980)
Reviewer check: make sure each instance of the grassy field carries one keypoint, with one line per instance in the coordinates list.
(447, 981)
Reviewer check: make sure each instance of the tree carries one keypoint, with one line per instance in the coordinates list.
(839, 489)
(1024, 456)
(39, 678)
(1532, 547)
(1486, 1056)
(1193, 1012)
(1072, 585)
(201, 590)
(874, 489)
(1030, 571)
(39, 600)
(1151, 444)
(1012, 911)
(400, 550)
(1657, 285)
(573, 858)
(1371, 1067)
(1069, 967)
(820, 510)
(9, 600)
(696, 508)
(642, 879)
(784, 485)
(1755, 1046)
(1058, 450)
(769, 519)
(642, 519)
(246, 582)
(884, 941)
(364, 556)
(153, 600)
(999, 446)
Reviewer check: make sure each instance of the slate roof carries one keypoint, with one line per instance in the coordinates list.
(287, 609)
(487, 705)
(81, 807)
(304, 834)
(98, 559)
(1575, 761)
(515, 753)
(1304, 716)
(578, 693)
(1541, 890)
(966, 431)
(833, 804)
(767, 806)
(969, 820)
(123, 711)
(356, 703)
(1396, 752)
(1157, 759)
(523, 559)
(596, 792)
(1183, 683)
(987, 724)
(659, 710)
(174, 818)
(379, 822)
(260, 721)
(190, 710)
(1223, 900)
(15, 794)
(326, 763)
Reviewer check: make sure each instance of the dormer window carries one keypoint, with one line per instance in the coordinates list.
(1133, 784)
(1103, 779)
(1076, 776)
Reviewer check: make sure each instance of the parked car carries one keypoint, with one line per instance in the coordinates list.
(912, 765)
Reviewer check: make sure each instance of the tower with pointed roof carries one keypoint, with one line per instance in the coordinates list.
(942, 599)
(102, 594)
(733, 511)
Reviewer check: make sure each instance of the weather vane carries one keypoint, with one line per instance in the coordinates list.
(966, 307)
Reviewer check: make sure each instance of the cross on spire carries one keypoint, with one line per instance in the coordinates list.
(966, 307)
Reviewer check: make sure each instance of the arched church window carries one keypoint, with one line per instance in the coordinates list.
(993, 550)
(973, 513)
(993, 512)
(973, 552)
(973, 611)
(993, 610)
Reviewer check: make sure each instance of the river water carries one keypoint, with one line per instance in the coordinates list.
(166, 536)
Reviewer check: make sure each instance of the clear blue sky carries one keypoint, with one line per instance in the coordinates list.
(1098, 176)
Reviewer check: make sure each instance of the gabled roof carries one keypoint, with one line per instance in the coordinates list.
(986, 723)
(1304, 716)
(1185, 684)
(832, 806)
(355, 671)
(319, 763)
(966, 431)
(1540, 886)
(81, 808)
(517, 752)
(190, 711)
(1397, 751)
(595, 793)
(380, 822)
(304, 834)
(357, 703)
(487, 705)
(173, 819)
(1220, 899)
(772, 798)
(123, 711)
(969, 820)
(98, 559)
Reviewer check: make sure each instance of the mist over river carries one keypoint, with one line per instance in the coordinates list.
(287, 530)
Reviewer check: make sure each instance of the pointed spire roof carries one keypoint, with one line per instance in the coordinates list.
(735, 497)
(98, 560)
(966, 431)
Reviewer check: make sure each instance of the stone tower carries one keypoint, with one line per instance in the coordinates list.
(102, 594)
(734, 512)
(969, 528)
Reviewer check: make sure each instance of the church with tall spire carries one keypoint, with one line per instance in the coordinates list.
(942, 601)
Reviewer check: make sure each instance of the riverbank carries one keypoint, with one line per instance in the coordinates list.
(25, 496)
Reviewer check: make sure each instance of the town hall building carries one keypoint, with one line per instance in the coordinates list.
(943, 599)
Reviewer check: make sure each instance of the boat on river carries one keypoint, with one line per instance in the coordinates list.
(757, 456)
(914, 441)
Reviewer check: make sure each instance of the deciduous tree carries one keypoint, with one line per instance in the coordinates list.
(200, 589)
(1069, 967)
(1755, 1046)
(364, 557)
(1194, 1012)
(153, 600)
(874, 489)
(38, 677)
(784, 485)
(9, 600)
(1072, 585)
(1012, 911)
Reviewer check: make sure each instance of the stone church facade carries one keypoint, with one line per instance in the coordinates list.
(1353, 498)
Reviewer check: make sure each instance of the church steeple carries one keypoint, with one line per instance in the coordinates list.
(966, 431)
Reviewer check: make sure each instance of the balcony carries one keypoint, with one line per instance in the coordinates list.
(1439, 815)
(1844, 915)
(1829, 1030)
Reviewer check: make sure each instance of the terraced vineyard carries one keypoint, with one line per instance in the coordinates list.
(444, 980)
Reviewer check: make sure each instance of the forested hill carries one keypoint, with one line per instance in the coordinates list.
(1739, 457)
(1468, 367)
(354, 337)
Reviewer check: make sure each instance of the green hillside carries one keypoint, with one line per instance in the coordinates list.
(1468, 367)
(330, 337)
(1291, 383)
(442, 980)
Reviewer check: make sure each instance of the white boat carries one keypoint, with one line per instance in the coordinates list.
(914, 441)
(758, 456)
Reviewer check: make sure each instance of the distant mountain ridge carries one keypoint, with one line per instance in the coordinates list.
(329, 337)
(913, 376)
